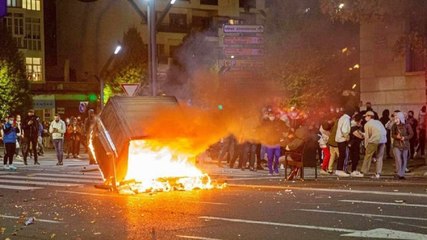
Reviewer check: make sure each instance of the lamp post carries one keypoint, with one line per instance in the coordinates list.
(102, 73)
(152, 45)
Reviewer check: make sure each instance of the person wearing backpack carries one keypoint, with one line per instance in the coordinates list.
(402, 133)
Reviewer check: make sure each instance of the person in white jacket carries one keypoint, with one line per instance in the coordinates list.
(57, 128)
(342, 137)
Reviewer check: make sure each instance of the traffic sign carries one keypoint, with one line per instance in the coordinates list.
(243, 51)
(243, 40)
(243, 28)
(83, 107)
(130, 88)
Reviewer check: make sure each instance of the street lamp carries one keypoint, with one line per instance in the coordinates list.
(101, 75)
(152, 45)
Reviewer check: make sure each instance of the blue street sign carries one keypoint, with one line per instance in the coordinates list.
(3, 8)
(82, 107)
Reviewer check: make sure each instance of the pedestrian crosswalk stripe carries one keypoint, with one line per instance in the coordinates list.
(24, 188)
(97, 177)
(40, 183)
(74, 180)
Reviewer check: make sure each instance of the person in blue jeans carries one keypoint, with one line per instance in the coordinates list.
(57, 128)
(275, 129)
(10, 131)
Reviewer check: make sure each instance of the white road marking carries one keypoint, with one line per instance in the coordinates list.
(37, 219)
(406, 194)
(23, 188)
(386, 233)
(74, 180)
(279, 224)
(385, 203)
(362, 214)
(410, 225)
(374, 233)
(97, 177)
(40, 183)
(194, 237)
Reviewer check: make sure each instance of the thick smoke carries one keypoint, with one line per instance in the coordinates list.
(213, 105)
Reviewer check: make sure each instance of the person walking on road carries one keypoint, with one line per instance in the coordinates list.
(10, 131)
(375, 140)
(57, 128)
(30, 127)
(402, 133)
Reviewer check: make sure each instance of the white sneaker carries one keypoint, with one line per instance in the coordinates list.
(6, 167)
(323, 172)
(12, 167)
(340, 173)
(376, 176)
(356, 174)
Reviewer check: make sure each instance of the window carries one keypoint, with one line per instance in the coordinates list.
(416, 60)
(31, 4)
(34, 69)
(247, 4)
(15, 25)
(209, 2)
(32, 39)
(200, 22)
(14, 3)
(178, 20)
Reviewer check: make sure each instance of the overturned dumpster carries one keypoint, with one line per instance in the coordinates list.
(122, 120)
(133, 161)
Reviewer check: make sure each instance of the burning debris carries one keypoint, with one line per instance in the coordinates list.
(134, 161)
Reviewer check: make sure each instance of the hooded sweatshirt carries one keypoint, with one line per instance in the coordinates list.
(403, 130)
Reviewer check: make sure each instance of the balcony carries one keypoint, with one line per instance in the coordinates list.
(64, 87)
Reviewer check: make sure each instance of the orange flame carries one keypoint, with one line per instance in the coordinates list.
(154, 167)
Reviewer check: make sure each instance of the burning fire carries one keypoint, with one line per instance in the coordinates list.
(153, 167)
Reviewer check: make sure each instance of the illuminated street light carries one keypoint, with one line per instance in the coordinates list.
(173, 1)
(341, 6)
(118, 49)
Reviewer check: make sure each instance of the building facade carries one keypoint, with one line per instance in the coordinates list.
(390, 80)
(27, 21)
(88, 32)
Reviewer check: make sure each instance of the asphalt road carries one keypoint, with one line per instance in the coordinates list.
(253, 206)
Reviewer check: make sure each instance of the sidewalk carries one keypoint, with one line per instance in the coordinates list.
(417, 168)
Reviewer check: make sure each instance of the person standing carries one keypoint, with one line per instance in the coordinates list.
(342, 137)
(10, 135)
(30, 127)
(74, 135)
(413, 142)
(385, 118)
(422, 117)
(40, 147)
(274, 131)
(401, 133)
(324, 131)
(375, 139)
(356, 137)
(19, 141)
(57, 128)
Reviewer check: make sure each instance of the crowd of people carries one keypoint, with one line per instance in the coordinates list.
(343, 135)
(30, 136)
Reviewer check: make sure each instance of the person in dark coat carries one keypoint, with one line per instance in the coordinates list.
(30, 127)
